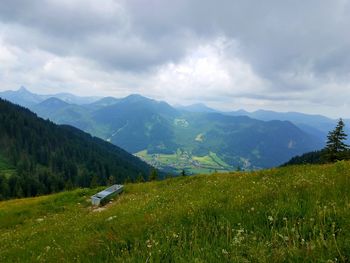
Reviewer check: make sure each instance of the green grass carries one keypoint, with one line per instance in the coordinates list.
(291, 214)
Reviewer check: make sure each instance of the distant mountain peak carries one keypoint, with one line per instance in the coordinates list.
(136, 97)
(23, 89)
(197, 107)
(54, 102)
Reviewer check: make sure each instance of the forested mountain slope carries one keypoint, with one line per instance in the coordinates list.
(46, 157)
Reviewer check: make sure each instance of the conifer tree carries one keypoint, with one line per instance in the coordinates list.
(154, 175)
(336, 149)
(140, 178)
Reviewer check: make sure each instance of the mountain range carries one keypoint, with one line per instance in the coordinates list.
(194, 138)
(313, 124)
(26, 98)
(316, 125)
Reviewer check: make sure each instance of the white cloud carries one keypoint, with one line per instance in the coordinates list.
(208, 73)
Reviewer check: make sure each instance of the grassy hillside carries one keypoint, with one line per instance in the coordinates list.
(288, 214)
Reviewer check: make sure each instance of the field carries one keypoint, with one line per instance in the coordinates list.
(183, 160)
(290, 214)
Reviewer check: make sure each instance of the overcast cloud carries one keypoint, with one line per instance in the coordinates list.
(230, 54)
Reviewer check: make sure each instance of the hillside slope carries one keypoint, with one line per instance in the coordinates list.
(48, 158)
(292, 214)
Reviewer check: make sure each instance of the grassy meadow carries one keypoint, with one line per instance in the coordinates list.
(290, 214)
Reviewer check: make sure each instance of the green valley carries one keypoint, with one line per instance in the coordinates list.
(191, 164)
(290, 214)
(136, 123)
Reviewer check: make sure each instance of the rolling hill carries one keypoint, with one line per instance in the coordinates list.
(40, 157)
(291, 214)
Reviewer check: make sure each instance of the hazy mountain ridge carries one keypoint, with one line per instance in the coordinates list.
(314, 124)
(197, 107)
(25, 98)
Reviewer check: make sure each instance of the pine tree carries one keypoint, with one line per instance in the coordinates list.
(4, 188)
(94, 182)
(336, 149)
(154, 175)
(111, 180)
(183, 173)
(140, 178)
(127, 180)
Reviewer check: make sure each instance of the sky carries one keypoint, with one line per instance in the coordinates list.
(289, 55)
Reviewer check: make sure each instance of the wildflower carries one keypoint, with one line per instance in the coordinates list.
(224, 251)
(270, 218)
(110, 218)
(149, 243)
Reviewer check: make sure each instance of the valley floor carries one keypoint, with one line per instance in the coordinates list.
(293, 214)
(192, 164)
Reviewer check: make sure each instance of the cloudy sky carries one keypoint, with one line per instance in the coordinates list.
(230, 54)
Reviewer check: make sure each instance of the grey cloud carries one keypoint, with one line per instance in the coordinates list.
(110, 37)
(296, 46)
(69, 19)
(275, 36)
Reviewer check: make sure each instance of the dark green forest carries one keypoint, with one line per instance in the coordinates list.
(41, 157)
(315, 157)
(335, 150)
